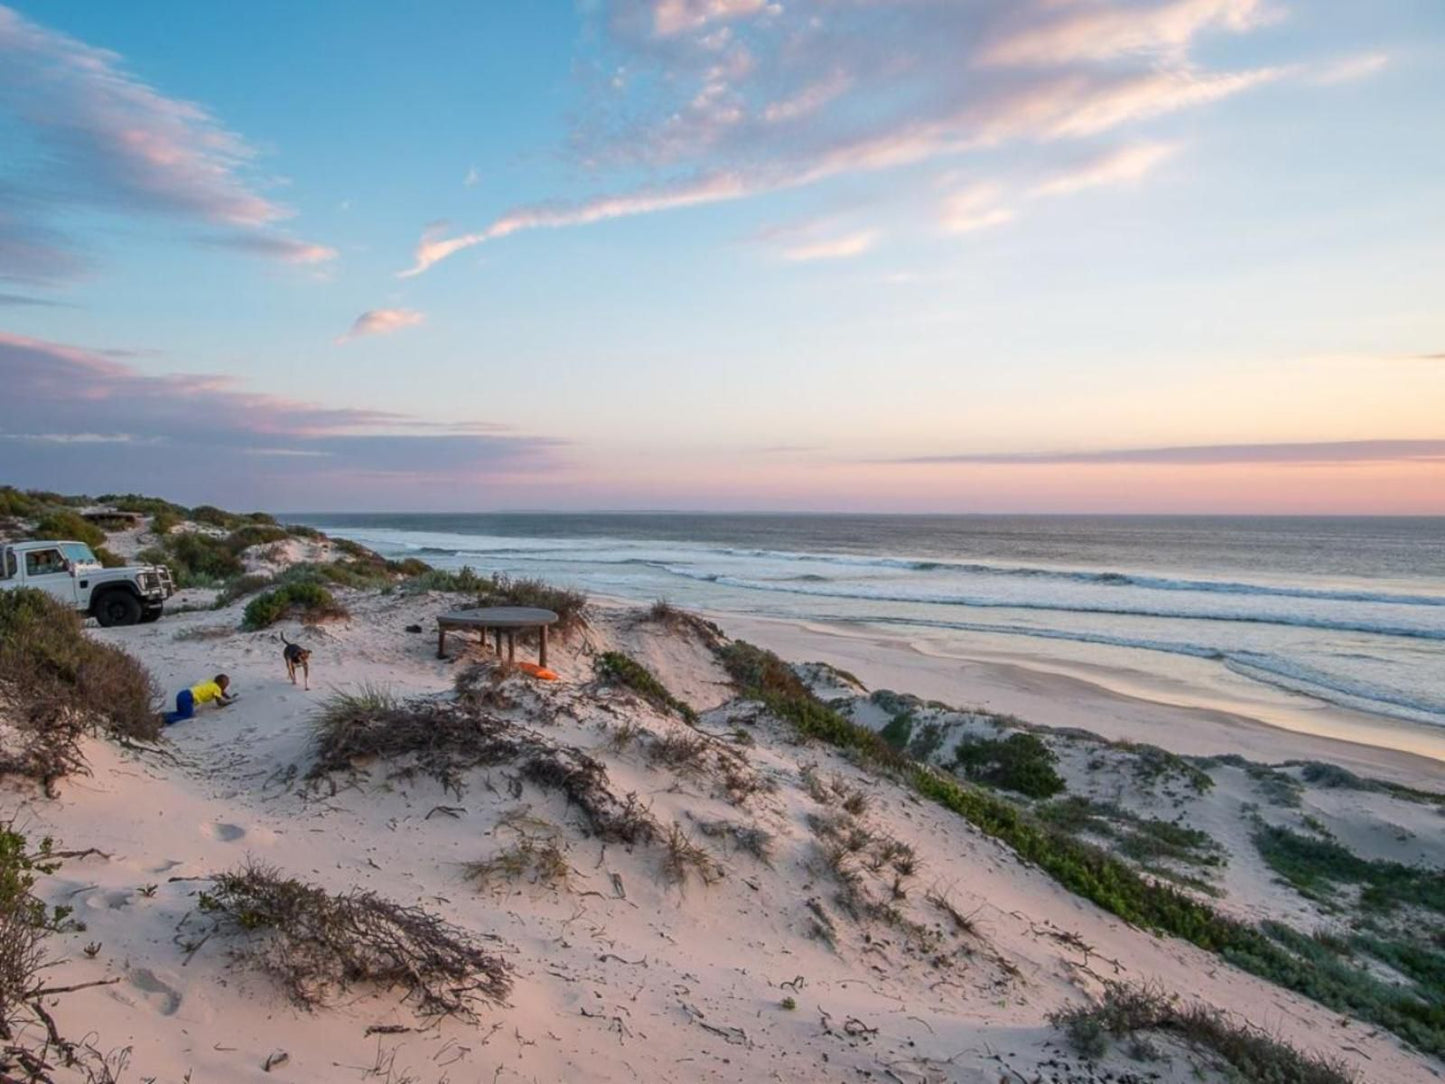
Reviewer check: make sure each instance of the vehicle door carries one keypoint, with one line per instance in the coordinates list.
(47, 570)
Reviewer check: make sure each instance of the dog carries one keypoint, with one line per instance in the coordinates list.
(297, 657)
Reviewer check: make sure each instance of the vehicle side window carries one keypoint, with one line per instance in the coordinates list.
(43, 562)
(11, 565)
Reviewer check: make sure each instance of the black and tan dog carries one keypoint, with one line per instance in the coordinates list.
(297, 657)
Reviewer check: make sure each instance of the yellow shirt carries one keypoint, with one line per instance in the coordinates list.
(205, 692)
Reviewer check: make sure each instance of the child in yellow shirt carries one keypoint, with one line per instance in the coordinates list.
(204, 693)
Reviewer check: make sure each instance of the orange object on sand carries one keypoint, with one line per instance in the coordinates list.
(539, 672)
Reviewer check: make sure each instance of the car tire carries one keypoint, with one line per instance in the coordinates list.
(150, 615)
(117, 608)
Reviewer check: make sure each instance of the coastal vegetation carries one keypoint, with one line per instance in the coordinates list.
(318, 945)
(1089, 870)
(305, 599)
(1139, 1013)
(31, 1044)
(57, 684)
(620, 669)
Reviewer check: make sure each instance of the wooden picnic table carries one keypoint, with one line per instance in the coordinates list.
(499, 619)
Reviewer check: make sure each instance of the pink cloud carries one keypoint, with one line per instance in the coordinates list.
(737, 100)
(203, 433)
(275, 246)
(976, 207)
(381, 322)
(1124, 165)
(841, 247)
(86, 133)
(1071, 32)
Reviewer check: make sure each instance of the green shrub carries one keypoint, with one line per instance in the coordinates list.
(240, 587)
(898, 731)
(60, 681)
(148, 506)
(310, 601)
(108, 559)
(196, 559)
(255, 534)
(622, 669)
(461, 581)
(212, 516)
(67, 526)
(19, 505)
(1021, 763)
(300, 530)
(1316, 866)
(163, 523)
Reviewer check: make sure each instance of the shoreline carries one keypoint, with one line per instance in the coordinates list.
(1107, 701)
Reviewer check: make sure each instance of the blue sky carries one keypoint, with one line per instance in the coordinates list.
(855, 254)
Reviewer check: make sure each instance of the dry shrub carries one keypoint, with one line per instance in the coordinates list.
(683, 858)
(755, 841)
(739, 782)
(1129, 1010)
(683, 752)
(317, 944)
(32, 1049)
(540, 862)
(57, 682)
(444, 740)
(624, 735)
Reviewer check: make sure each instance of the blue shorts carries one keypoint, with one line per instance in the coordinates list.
(185, 707)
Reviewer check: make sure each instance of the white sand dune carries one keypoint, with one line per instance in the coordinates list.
(620, 975)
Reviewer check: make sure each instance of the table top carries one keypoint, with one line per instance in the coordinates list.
(499, 617)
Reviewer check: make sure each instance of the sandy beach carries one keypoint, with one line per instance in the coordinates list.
(1123, 704)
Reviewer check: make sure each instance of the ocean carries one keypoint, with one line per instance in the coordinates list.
(1350, 611)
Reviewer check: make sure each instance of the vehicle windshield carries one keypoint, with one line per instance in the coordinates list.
(78, 553)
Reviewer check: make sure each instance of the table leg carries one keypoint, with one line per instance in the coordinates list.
(511, 648)
(441, 642)
(497, 635)
(543, 652)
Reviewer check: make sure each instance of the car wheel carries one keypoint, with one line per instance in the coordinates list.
(117, 608)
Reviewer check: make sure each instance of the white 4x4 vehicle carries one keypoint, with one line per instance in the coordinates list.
(70, 572)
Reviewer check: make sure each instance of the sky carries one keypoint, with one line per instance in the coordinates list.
(805, 255)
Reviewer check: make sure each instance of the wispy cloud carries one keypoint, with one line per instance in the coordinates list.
(1338, 452)
(273, 245)
(87, 134)
(185, 432)
(671, 17)
(381, 322)
(976, 207)
(729, 99)
(1052, 34)
(1124, 165)
(1351, 69)
(841, 247)
(20, 300)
